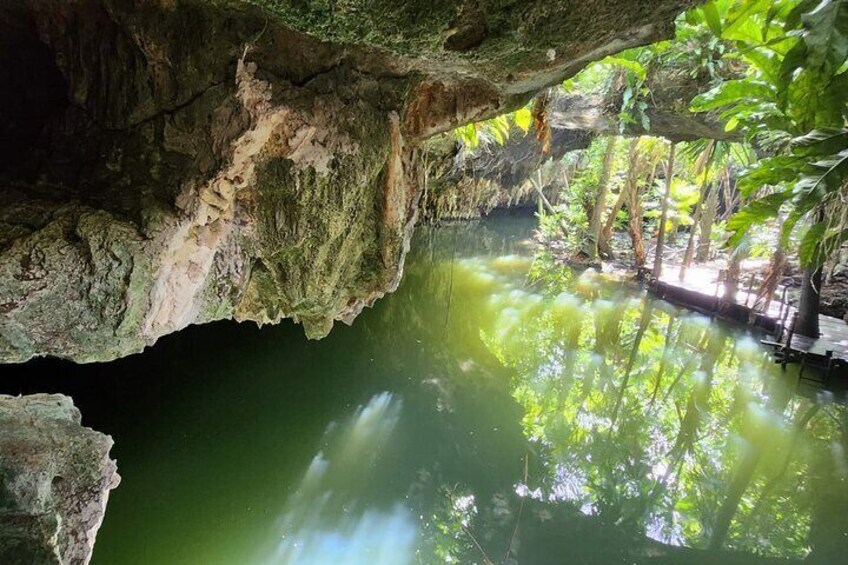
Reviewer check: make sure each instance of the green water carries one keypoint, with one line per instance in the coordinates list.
(492, 408)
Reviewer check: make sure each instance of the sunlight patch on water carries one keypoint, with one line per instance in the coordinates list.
(325, 521)
(510, 264)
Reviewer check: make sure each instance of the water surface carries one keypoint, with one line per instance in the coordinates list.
(494, 408)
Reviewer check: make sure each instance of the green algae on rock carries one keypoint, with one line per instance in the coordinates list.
(55, 478)
(194, 160)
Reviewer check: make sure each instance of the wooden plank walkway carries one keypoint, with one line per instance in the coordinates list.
(834, 338)
(828, 352)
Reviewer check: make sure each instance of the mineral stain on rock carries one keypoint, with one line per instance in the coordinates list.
(174, 163)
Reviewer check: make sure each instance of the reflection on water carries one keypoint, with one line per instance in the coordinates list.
(324, 521)
(547, 416)
(665, 424)
(676, 433)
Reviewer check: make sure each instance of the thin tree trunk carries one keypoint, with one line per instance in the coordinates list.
(696, 405)
(740, 483)
(591, 248)
(693, 231)
(664, 359)
(707, 220)
(734, 269)
(774, 272)
(808, 305)
(669, 177)
(742, 477)
(633, 158)
(732, 197)
(647, 311)
(605, 241)
(634, 207)
(537, 185)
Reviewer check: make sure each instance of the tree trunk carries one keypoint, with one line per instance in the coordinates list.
(647, 311)
(807, 323)
(634, 207)
(738, 485)
(669, 177)
(808, 305)
(732, 196)
(734, 269)
(693, 231)
(773, 274)
(537, 185)
(707, 220)
(604, 243)
(591, 247)
(605, 240)
(744, 473)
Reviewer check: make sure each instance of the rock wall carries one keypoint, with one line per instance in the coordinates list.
(186, 161)
(55, 478)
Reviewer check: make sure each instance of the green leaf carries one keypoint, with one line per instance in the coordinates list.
(792, 62)
(712, 18)
(830, 244)
(467, 134)
(826, 34)
(771, 171)
(731, 92)
(498, 135)
(811, 244)
(826, 175)
(634, 67)
(755, 212)
(627, 97)
(764, 61)
(822, 141)
(793, 18)
(523, 119)
(741, 14)
(802, 206)
(731, 124)
(646, 122)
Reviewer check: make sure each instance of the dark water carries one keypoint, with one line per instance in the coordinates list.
(494, 408)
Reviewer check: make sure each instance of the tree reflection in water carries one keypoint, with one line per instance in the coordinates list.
(664, 424)
(650, 434)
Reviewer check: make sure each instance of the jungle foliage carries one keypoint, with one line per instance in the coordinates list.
(792, 106)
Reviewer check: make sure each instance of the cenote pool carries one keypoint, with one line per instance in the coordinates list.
(495, 409)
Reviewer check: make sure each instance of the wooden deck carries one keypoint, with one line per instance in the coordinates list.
(834, 338)
(828, 352)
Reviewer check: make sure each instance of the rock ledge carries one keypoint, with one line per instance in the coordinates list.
(55, 478)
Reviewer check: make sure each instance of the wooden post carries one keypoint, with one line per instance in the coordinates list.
(828, 355)
(788, 343)
(780, 326)
(750, 288)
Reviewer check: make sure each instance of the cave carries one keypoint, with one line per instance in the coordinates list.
(310, 265)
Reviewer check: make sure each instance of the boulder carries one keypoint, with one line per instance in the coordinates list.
(55, 478)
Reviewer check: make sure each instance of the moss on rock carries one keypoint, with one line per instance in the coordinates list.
(76, 288)
(256, 159)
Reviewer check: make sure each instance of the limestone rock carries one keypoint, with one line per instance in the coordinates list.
(55, 478)
(173, 162)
